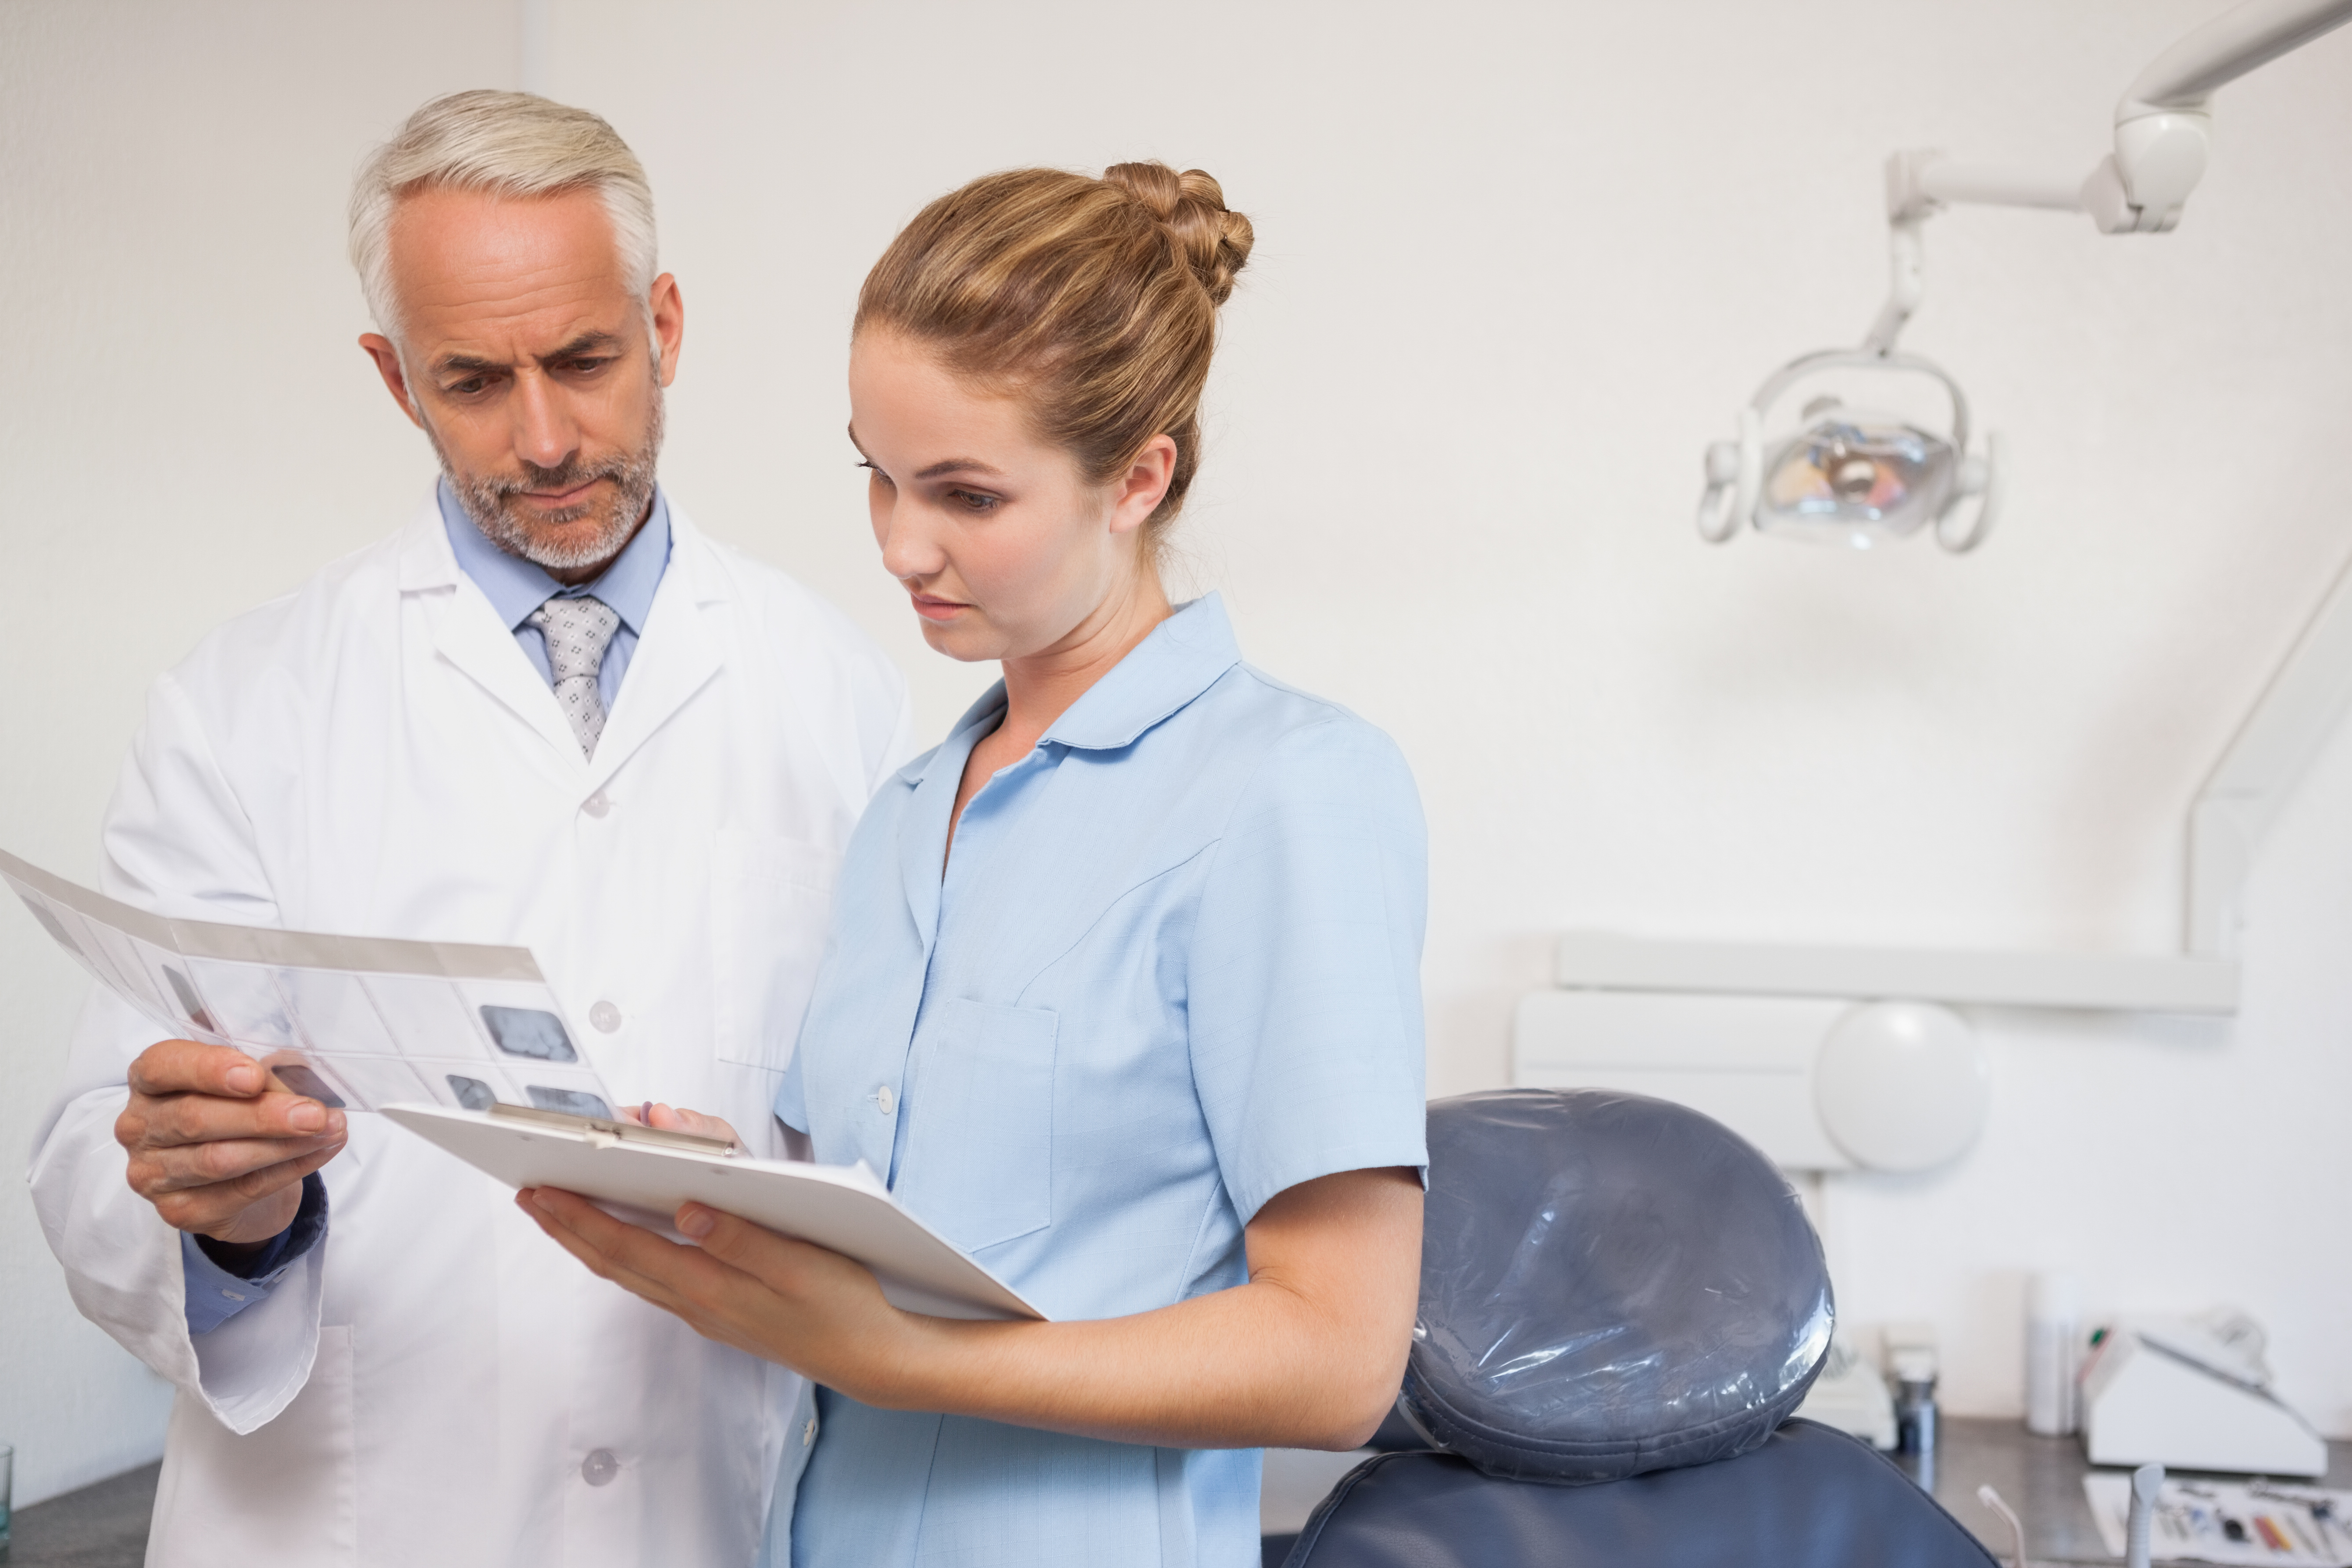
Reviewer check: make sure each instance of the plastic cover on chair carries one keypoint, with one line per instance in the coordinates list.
(1611, 1285)
(1809, 1496)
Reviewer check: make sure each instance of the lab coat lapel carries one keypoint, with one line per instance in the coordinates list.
(678, 655)
(467, 632)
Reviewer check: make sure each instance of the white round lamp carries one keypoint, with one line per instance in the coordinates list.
(1902, 1086)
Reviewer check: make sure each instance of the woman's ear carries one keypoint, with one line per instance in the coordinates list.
(1145, 483)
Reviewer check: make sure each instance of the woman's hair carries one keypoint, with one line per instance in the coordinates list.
(1094, 300)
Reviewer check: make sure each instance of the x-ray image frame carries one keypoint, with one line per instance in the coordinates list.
(357, 1022)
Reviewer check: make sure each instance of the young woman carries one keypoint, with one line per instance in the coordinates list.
(1122, 990)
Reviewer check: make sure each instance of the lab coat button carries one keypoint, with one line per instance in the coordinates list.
(596, 804)
(599, 1468)
(886, 1099)
(606, 1017)
(808, 1433)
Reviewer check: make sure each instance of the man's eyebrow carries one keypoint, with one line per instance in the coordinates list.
(585, 343)
(475, 364)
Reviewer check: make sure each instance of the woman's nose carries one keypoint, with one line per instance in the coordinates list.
(909, 551)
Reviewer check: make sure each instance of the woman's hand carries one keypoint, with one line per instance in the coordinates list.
(1308, 1353)
(784, 1301)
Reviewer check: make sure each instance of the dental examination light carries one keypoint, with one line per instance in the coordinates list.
(1857, 475)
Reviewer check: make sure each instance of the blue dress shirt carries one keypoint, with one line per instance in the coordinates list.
(1171, 971)
(515, 587)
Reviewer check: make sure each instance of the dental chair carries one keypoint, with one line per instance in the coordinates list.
(1621, 1304)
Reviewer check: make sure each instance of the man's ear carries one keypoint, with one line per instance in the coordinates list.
(395, 380)
(666, 308)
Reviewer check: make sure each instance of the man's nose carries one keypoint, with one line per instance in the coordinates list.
(545, 434)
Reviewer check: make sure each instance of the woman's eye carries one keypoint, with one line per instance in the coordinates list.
(973, 501)
(879, 475)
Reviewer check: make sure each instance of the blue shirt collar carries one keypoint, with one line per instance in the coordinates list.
(516, 588)
(1184, 655)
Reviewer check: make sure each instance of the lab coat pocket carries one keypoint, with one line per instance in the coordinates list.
(770, 897)
(979, 1155)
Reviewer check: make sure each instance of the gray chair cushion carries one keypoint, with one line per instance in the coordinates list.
(1610, 1285)
(1809, 1498)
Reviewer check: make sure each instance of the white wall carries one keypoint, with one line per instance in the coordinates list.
(186, 428)
(1516, 264)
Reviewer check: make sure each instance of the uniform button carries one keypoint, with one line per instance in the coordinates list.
(599, 1468)
(596, 804)
(606, 1017)
(808, 1433)
(886, 1099)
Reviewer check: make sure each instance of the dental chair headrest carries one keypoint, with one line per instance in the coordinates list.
(1610, 1284)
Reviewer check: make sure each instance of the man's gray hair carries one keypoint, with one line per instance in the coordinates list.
(507, 145)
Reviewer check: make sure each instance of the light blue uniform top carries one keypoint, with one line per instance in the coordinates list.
(1172, 970)
(515, 587)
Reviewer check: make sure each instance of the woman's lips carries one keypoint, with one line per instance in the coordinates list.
(936, 609)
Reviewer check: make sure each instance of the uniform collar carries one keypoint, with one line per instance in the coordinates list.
(516, 588)
(1183, 656)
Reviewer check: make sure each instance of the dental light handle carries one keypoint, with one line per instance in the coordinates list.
(1984, 479)
(2146, 1482)
(1735, 475)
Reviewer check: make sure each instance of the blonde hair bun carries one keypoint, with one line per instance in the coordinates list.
(1096, 301)
(1213, 240)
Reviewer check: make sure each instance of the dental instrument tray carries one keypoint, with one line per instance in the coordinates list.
(641, 1174)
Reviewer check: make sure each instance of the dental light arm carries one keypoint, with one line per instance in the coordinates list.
(2162, 123)
(2162, 126)
(1854, 478)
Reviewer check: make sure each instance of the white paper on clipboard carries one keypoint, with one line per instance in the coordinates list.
(355, 1022)
(844, 1208)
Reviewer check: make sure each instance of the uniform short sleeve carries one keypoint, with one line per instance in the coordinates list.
(1304, 978)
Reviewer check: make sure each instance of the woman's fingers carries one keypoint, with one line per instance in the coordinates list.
(740, 1284)
(714, 1300)
(628, 1254)
(835, 1294)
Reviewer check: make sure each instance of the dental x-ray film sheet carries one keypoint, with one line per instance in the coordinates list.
(358, 1022)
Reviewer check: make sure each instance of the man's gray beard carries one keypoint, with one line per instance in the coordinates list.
(490, 501)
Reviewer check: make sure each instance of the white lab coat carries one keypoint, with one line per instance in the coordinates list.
(376, 754)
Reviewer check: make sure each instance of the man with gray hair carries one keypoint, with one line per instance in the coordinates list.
(551, 713)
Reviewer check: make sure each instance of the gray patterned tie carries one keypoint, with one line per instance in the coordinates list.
(578, 631)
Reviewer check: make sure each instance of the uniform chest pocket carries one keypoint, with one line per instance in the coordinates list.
(979, 1160)
(770, 899)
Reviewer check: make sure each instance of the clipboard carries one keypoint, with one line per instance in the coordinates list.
(641, 1174)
